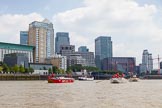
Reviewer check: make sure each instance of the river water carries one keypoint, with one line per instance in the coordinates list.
(81, 94)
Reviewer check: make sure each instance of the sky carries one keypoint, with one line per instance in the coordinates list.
(134, 25)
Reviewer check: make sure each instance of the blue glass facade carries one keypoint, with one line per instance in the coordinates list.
(103, 49)
(62, 38)
(83, 49)
(24, 37)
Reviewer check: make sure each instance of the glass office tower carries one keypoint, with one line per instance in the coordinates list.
(24, 37)
(103, 49)
(62, 38)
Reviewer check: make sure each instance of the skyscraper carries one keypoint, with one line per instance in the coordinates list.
(62, 38)
(24, 37)
(41, 35)
(103, 49)
(83, 49)
(147, 62)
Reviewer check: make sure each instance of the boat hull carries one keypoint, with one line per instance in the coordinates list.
(117, 80)
(69, 80)
(133, 79)
(86, 78)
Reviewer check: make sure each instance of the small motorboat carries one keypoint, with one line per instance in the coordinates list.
(116, 78)
(134, 79)
(53, 79)
(85, 78)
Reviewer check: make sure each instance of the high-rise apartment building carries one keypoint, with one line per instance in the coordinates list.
(147, 62)
(41, 35)
(24, 37)
(103, 49)
(62, 38)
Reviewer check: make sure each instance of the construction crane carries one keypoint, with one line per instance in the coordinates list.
(158, 63)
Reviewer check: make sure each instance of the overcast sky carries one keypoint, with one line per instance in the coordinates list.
(134, 25)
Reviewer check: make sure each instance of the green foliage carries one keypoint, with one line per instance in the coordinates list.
(16, 68)
(31, 70)
(44, 68)
(69, 71)
(27, 70)
(78, 68)
(21, 69)
(5, 68)
(1, 68)
(61, 71)
(50, 70)
(11, 69)
(55, 69)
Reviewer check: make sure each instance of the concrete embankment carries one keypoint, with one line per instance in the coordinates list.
(4, 77)
(152, 77)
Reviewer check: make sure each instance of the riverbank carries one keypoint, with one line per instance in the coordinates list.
(152, 77)
(5, 77)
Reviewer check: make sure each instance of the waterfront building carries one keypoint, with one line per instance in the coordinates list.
(13, 59)
(58, 61)
(40, 68)
(62, 38)
(103, 49)
(89, 57)
(67, 50)
(160, 65)
(123, 64)
(83, 49)
(147, 62)
(75, 59)
(7, 48)
(24, 37)
(137, 70)
(41, 35)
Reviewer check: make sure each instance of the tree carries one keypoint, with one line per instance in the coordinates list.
(11, 69)
(26, 70)
(62, 71)
(50, 70)
(21, 69)
(31, 70)
(1, 68)
(55, 69)
(5, 68)
(69, 71)
(16, 68)
(44, 68)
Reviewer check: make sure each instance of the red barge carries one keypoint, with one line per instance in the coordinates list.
(52, 79)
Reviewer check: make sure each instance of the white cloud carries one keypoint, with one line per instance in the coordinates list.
(131, 25)
(12, 24)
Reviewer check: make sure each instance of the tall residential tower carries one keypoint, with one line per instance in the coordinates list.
(147, 62)
(41, 35)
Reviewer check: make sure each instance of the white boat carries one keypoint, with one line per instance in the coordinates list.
(85, 78)
(134, 79)
(117, 80)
